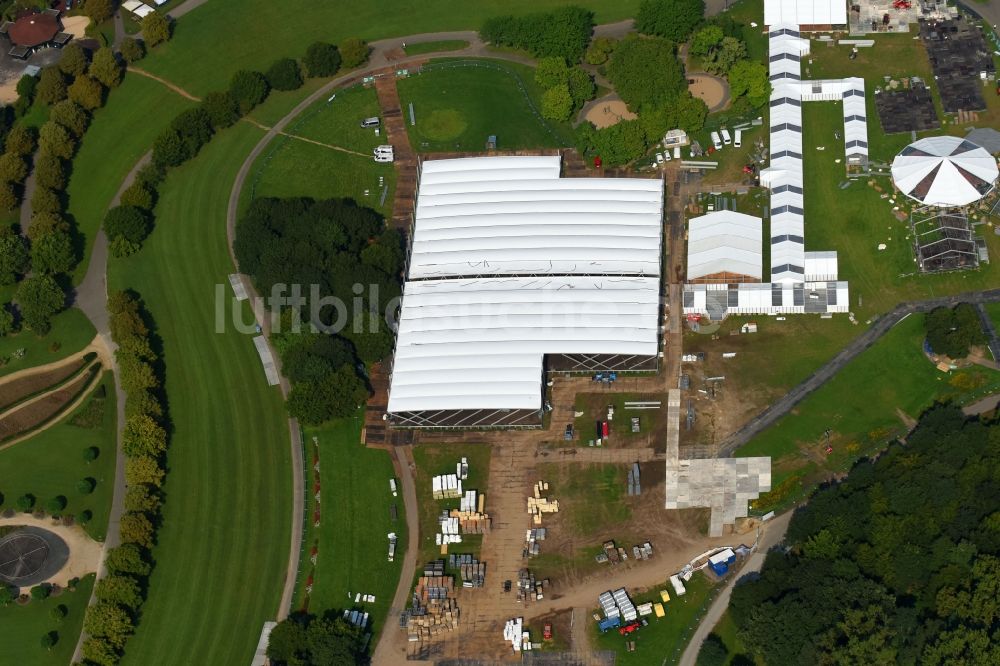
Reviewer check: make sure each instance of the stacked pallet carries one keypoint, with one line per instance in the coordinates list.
(434, 610)
(528, 588)
(537, 505)
(446, 486)
(470, 515)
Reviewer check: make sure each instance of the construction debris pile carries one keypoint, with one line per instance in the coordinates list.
(528, 588)
(634, 489)
(468, 518)
(515, 634)
(449, 486)
(433, 608)
(614, 555)
(643, 552)
(472, 571)
(532, 537)
(537, 505)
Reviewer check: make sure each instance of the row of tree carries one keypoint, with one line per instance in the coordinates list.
(560, 33)
(110, 621)
(342, 254)
(898, 563)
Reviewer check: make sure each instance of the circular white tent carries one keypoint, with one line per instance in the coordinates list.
(944, 171)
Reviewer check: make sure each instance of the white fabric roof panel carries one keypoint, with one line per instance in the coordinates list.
(944, 171)
(479, 343)
(515, 216)
(805, 12)
(724, 241)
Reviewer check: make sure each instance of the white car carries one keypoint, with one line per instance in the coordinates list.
(677, 152)
(384, 149)
(383, 158)
(666, 155)
(659, 158)
(716, 141)
(726, 137)
(738, 139)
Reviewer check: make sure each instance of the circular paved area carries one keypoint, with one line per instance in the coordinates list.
(712, 90)
(31, 555)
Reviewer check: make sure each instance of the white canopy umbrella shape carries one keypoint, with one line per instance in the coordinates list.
(944, 171)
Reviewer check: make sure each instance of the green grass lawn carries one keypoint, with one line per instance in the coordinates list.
(435, 459)
(433, 47)
(292, 167)
(223, 36)
(592, 496)
(352, 544)
(279, 103)
(24, 626)
(223, 545)
(119, 135)
(457, 105)
(595, 408)
(666, 637)
(855, 220)
(993, 310)
(71, 332)
(726, 630)
(859, 406)
(51, 463)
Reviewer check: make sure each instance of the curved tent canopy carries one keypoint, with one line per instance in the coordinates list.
(944, 171)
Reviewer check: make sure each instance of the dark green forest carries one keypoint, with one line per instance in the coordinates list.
(898, 563)
(355, 263)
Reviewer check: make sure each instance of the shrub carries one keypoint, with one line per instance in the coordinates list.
(49, 639)
(40, 592)
(353, 52)
(222, 109)
(25, 503)
(321, 59)
(284, 74)
(58, 612)
(84, 516)
(40, 298)
(249, 89)
(133, 50)
(56, 504)
(7, 326)
(138, 195)
(86, 486)
(26, 87)
(8, 197)
(73, 60)
(156, 29)
(51, 86)
(91, 453)
(126, 221)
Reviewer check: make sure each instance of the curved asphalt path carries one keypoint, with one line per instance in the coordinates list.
(777, 410)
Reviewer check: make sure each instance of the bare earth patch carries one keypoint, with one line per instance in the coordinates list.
(710, 89)
(608, 113)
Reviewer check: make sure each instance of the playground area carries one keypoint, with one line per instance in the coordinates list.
(608, 111)
(712, 90)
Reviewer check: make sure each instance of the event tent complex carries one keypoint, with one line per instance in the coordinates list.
(513, 271)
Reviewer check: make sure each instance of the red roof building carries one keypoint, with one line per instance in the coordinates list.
(33, 30)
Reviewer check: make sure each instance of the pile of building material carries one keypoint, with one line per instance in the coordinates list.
(449, 532)
(357, 618)
(625, 605)
(433, 608)
(537, 505)
(678, 586)
(528, 588)
(514, 633)
(643, 552)
(634, 489)
(470, 515)
(532, 537)
(364, 598)
(473, 572)
(446, 486)
(645, 609)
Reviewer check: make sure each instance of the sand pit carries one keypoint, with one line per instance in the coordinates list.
(712, 90)
(607, 112)
(84, 552)
(76, 26)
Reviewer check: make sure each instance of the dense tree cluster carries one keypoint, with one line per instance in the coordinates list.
(566, 88)
(951, 331)
(898, 563)
(673, 19)
(346, 251)
(110, 621)
(563, 32)
(307, 640)
(645, 71)
(322, 59)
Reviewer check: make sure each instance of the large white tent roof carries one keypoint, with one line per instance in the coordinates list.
(514, 215)
(509, 263)
(805, 12)
(724, 241)
(944, 171)
(478, 343)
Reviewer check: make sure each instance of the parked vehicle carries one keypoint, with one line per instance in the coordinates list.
(629, 628)
(370, 122)
(547, 632)
(716, 141)
(659, 158)
(666, 155)
(392, 487)
(738, 139)
(677, 152)
(568, 435)
(727, 138)
(384, 158)
(384, 149)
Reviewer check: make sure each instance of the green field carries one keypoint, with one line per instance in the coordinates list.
(458, 104)
(51, 462)
(223, 36)
(23, 627)
(859, 405)
(993, 310)
(338, 121)
(726, 630)
(435, 459)
(351, 542)
(223, 544)
(435, 47)
(666, 637)
(861, 220)
(71, 332)
(135, 113)
(595, 495)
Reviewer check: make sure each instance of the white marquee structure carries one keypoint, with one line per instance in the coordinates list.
(944, 171)
(826, 13)
(724, 245)
(514, 271)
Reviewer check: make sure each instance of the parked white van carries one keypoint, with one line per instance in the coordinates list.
(716, 141)
(677, 152)
(738, 138)
(383, 150)
(370, 122)
(726, 137)
(384, 158)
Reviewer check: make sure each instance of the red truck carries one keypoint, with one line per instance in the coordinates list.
(629, 628)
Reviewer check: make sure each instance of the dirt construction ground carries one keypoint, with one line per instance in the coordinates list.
(606, 113)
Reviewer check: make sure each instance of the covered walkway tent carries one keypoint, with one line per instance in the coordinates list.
(944, 171)
(515, 271)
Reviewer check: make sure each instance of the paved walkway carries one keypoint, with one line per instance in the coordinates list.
(173, 86)
(26, 211)
(774, 534)
(992, 341)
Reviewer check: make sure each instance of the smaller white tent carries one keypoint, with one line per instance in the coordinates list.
(944, 171)
(805, 12)
(725, 242)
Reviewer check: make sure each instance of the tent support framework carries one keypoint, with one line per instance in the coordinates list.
(943, 240)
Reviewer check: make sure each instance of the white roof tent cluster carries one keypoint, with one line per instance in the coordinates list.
(945, 171)
(797, 276)
(510, 264)
(827, 13)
